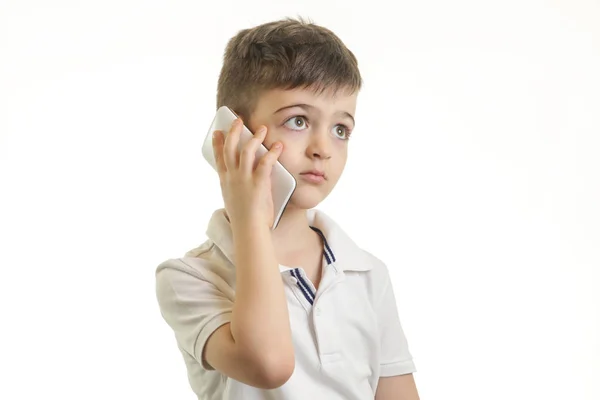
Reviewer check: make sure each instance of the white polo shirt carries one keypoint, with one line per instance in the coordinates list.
(346, 335)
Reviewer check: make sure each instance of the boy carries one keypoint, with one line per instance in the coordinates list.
(300, 312)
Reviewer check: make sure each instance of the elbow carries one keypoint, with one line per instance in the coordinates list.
(277, 370)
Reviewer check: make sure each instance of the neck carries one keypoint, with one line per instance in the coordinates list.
(293, 230)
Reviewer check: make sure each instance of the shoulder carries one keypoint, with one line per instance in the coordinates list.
(202, 265)
(378, 276)
(192, 263)
(379, 267)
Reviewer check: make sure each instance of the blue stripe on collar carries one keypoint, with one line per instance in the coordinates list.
(304, 287)
(329, 256)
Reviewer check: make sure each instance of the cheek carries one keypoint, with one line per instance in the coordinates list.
(290, 142)
(274, 136)
(287, 157)
(339, 163)
(342, 155)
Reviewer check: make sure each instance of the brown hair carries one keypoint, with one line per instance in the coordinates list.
(284, 54)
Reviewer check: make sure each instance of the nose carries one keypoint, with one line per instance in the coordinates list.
(319, 145)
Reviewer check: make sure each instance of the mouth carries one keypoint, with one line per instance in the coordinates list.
(313, 176)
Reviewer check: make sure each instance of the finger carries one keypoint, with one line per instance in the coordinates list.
(218, 151)
(248, 153)
(231, 143)
(265, 164)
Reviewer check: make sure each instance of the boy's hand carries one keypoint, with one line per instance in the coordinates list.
(246, 190)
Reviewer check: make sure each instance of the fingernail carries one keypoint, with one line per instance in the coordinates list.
(277, 145)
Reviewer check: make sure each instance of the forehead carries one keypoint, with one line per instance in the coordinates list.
(327, 102)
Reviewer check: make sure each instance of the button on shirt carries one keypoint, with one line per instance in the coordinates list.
(346, 335)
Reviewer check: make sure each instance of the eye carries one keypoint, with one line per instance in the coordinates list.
(341, 132)
(296, 123)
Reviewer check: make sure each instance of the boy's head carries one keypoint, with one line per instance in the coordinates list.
(300, 81)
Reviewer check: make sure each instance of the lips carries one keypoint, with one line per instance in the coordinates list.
(313, 176)
(314, 172)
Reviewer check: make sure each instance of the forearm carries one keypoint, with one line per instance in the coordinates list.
(260, 320)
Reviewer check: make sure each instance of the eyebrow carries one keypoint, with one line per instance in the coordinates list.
(309, 107)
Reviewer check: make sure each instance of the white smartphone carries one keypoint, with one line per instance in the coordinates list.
(283, 183)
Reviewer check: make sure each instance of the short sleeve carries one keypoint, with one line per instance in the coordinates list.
(395, 355)
(193, 307)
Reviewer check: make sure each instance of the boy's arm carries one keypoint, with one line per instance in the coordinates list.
(396, 381)
(399, 387)
(256, 348)
(200, 312)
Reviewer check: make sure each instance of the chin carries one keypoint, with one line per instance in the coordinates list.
(307, 197)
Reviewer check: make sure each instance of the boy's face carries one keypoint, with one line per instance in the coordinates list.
(314, 130)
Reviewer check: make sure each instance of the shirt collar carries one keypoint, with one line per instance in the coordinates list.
(339, 249)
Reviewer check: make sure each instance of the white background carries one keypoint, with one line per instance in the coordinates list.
(474, 173)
